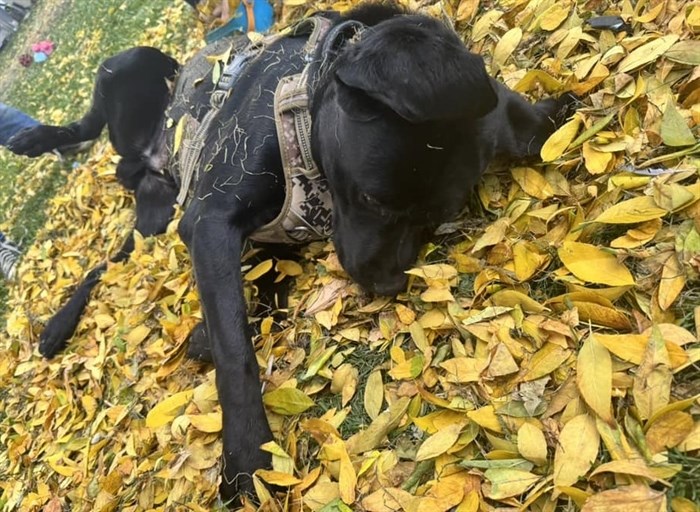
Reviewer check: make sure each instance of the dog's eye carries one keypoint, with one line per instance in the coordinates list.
(368, 199)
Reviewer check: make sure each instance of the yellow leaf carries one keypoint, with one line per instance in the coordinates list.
(532, 182)
(527, 260)
(439, 443)
(589, 263)
(259, 270)
(179, 130)
(287, 401)
(672, 282)
(652, 381)
(554, 16)
(345, 382)
(557, 143)
(646, 53)
(466, 10)
(576, 450)
(321, 494)
(692, 441)
(464, 369)
(210, 422)
(166, 410)
(289, 268)
(137, 334)
(668, 430)
(493, 234)
(470, 503)
(390, 499)
(536, 76)
(594, 377)
(506, 482)
(672, 196)
(638, 236)
(373, 435)
(409, 369)
(639, 498)
(674, 128)
(502, 362)
(438, 420)
(638, 209)
(434, 294)
(439, 272)
(374, 394)
(104, 321)
(512, 298)
(277, 478)
(545, 361)
(335, 449)
(632, 347)
(482, 26)
(532, 444)
(635, 467)
(596, 161)
(680, 504)
(601, 315)
(486, 417)
(507, 44)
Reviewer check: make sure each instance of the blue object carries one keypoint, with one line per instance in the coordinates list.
(39, 57)
(13, 121)
(264, 19)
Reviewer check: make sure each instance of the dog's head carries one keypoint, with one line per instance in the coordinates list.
(391, 122)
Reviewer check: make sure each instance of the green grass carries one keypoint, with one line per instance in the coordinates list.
(365, 360)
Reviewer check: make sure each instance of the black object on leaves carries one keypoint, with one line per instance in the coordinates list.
(613, 23)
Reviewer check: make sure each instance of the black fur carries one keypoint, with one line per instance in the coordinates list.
(405, 121)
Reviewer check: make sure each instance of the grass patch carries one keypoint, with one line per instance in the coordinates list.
(686, 484)
(365, 360)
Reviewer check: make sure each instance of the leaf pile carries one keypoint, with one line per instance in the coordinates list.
(545, 355)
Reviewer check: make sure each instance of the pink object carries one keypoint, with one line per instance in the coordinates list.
(45, 47)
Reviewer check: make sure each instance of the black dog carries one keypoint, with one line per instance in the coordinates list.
(405, 121)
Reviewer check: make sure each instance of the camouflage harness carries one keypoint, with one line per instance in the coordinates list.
(307, 209)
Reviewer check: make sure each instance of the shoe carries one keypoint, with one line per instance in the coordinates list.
(9, 254)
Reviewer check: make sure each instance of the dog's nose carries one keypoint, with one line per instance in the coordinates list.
(390, 286)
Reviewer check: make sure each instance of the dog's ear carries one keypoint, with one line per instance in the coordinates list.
(420, 70)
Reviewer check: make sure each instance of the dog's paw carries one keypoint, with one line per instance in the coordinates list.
(54, 339)
(237, 474)
(55, 336)
(34, 141)
(198, 347)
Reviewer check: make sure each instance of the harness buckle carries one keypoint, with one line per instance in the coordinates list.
(233, 70)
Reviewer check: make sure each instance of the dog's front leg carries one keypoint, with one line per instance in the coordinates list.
(41, 139)
(215, 247)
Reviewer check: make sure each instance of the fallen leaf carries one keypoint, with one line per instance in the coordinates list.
(592, 264)
(576, 450)
(438, 443)
(287, 401)
(594, 377)
(639, 498)
(652, 381)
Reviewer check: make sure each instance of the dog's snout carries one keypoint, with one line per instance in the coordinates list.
(387, 286)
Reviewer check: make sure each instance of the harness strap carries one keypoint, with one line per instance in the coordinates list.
(306, 213)
(194, 137)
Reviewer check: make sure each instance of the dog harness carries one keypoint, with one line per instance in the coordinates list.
(306, 214)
